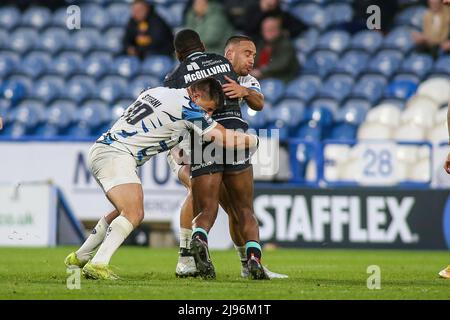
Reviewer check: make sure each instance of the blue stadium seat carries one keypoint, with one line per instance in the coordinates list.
(255, 119)
(8, 62)
(80, 88)
(9, 17)
(4, 42)
(142, 83)
(61, 114)
(282, 128)
(112, 40)
(172, 13)
(340, 13)
(85, 40)
(312, 15)
(336, 41)
(23, 40)
(400, 39)
(310, 131)
(94, 16)
(125, 66)
(321, 112)
(290, 111)
(304, 87)
(158, 66)
(36, 17)
(93, 114)
(442, 64)
(307, 41)
(24, 82)
(14, 91)
(343, 131)
(97, 65)
(47, 88)
(407, 77)
(367, 40)
(337, 86)
(34, 64)
(29, 113)
(386, 62)
(419, 64)
(112, 88)
(353, 111)
(119, 14)
(66, 64)
(273, 89)
(59, 18)
(321, 62)
(302, 154)
(53, 40)
(412, 16)
(402, 89)
(370, 87)
(352, 62)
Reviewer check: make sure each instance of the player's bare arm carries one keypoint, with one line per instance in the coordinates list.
(231, 139)
(233, 90)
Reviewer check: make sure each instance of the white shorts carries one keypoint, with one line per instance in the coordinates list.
(112, 167)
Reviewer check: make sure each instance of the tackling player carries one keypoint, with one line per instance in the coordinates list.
(445, 273)
(152, 124)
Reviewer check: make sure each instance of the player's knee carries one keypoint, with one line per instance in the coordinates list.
(135, 216)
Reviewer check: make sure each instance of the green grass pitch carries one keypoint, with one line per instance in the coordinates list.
(27, 273)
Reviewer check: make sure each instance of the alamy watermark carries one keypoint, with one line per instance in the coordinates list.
(374, 20)
(73, 20)
(374, 280)
(73, 281)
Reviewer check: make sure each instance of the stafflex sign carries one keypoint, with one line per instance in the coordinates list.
(342, 218)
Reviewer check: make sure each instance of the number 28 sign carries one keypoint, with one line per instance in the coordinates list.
(377, 163)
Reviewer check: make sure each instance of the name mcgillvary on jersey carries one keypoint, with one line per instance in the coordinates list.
(156, 122)
(200, 65)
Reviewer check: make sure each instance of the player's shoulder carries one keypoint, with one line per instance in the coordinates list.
(250, 82)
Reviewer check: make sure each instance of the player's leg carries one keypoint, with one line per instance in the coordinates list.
(87, 250)
(205, 192)
(239, 185)
(129, 201)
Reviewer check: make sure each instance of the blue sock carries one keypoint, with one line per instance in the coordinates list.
(201, 233)
(253, 248)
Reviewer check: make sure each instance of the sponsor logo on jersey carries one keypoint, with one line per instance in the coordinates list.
(201, 74)
(192, 66)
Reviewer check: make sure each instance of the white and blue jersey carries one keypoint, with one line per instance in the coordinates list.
(156, 122)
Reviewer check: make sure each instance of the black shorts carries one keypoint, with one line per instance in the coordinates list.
(228, 161)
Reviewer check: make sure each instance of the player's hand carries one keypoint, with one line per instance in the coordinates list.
(447, 164)
(233, 90)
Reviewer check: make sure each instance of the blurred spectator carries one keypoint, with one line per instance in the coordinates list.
(388, 10)
(208, 19)
(237, 12)
(276, 56)
(147, 33)
(257, 12)
(435, 29)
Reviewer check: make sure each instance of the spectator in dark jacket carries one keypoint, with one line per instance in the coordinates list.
(276, 56)
(257, 12)
(147, 33)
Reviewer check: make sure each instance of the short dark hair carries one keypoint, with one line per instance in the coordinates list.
(212, 88)
(187, 41)
(236, 39)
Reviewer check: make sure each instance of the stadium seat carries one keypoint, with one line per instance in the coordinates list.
(142, 83)
(34, 64)
(273, 89)
(409, 77)
(47, 88)
(310, 131)
(352, 62)
(29, 113)
(402, 89)
(384, 114)
(9, 18)
(400, 39)
(112, 40)
(370, 87)
(158, 66)
(255, 119)
(23, 40)
(327, 103)
(119, 14)
(320, 114)
(409, 132)
(374, 131)
(436, 88)
(412, 16)
(353, 111)
(93, 114)
(437, 134)
(442, 65)
(386, 62)
(440, 117)
(4, 43)
(419, 116)
(339, 13)
(172, 13)
(94, 16)
(304, 87)
(61, 113)
(112, 88)
(320, 62)
(421, 172)
(53, 40)
(8, 62)
(59, 18)
(337, 86)
(367, 40)
(307, 41)
(312, 15)
(87, 39)
(125, 66)
(14, 91)
(36, 18)
(80, 88)
(290, 111)
(336, 41)
(343, 131)
(97, 65)
(66, 64)
(418, 64)
(80, 131)
(423, 102)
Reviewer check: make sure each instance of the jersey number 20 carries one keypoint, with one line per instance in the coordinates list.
(137, 112)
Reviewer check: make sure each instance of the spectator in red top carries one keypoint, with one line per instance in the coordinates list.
(276, 56)
(147, 33)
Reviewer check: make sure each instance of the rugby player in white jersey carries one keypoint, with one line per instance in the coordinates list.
(240, 51)
(154, 123)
